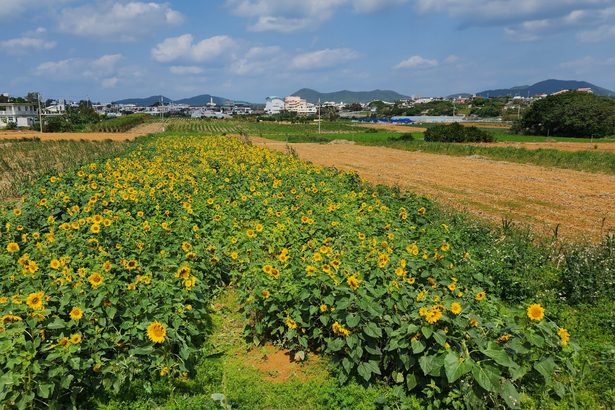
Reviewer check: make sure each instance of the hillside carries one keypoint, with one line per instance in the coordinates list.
(201, 100)
(348, 96)
(196, 101)
(144, 102)
(545, 87)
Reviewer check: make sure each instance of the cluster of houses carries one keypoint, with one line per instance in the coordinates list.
(209, 110)
(293, 103)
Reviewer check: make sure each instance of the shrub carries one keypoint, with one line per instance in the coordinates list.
(405, 137)
(457, 133)
(588, 272)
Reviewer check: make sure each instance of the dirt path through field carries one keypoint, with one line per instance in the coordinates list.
(582, 204)
(138, 131)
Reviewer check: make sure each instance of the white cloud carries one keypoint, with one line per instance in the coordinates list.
(587, 64)
(452, 59)
(493, 11)
(600, 33)
(328, 57)
(123, 21)
(110, 82)
(105, 70)
(11, 9)
(370, 6)
(57, 69)
(103, 66)
(258, 60)
(185, 69)
(416, 62)
(184, 48)
(294, 15)
(24, 45)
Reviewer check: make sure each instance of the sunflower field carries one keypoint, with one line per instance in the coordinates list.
(108, 273)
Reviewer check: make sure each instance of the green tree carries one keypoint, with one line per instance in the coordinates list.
(571, 114)
(32, 97)
(353, 107)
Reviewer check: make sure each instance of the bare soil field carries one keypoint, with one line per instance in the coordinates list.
(581, 204)
(563, 146)
(93, 136)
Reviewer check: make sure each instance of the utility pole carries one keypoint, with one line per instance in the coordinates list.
(319, 119)
(40, 113)
(519, 110)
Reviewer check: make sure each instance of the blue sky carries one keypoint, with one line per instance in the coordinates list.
(249, 49)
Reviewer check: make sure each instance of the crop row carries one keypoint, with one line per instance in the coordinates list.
(214, 127)
(109, 270)
(120, 124)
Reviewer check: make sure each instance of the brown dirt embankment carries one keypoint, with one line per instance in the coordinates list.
(92, 136)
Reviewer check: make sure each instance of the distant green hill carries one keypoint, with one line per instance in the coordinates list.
(197, 101)
(349, 96)
(144, 102)
(545, 87)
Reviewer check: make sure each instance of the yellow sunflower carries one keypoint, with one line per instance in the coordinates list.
(157, 332)
(75, 339)
(12, 247)
(76, 313)
(535, 312)
(353, 282)
(35, 300)
(455, 308)
(564, 336)
(480, 296)
(95, 279)
(291, 323)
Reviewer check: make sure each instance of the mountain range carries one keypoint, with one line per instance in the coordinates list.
(199, 100)
(545, 87)
(348, 96)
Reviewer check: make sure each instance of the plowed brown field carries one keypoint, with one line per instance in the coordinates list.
(116, 136)
(581, 204)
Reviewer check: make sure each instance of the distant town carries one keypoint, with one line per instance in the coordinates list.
(22, 112)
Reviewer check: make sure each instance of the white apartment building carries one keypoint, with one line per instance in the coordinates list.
(274, 105)
(299, 105)
(23, 114)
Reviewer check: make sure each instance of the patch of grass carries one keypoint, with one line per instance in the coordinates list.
(589, 161)
(504, 136)
(23, 161)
